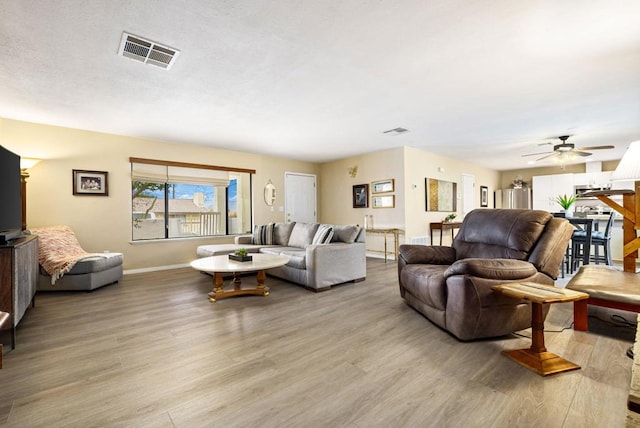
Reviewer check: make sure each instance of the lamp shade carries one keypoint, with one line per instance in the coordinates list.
(28, 163)
(629, 167)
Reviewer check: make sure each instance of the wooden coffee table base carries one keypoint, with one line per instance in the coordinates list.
(220, 265)
(219, 292)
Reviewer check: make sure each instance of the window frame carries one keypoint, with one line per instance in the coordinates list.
(166, 237)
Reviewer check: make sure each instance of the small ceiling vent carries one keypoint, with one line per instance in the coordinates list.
(396, 131)
(143, 50)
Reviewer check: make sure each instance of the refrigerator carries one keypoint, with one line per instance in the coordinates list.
(513, 198)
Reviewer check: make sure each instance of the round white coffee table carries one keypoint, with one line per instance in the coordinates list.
(219, 265)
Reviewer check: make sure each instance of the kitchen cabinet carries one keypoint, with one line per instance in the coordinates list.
(546, 188)
(596, 180)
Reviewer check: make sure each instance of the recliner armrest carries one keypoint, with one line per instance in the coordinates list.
(422, 254)
(499, 269)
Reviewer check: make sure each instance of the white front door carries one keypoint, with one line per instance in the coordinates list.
(300, 197)
(468, 193)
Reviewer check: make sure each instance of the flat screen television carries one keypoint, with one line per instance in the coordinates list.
(10, 195)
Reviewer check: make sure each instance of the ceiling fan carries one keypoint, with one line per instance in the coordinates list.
(565, 151)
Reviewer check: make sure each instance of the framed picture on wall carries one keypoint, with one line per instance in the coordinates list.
(361, 196)
(90, 183)
(440, 195)
(382, 186)
(387, 201)
(484, 196)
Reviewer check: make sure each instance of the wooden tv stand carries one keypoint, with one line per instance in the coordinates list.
(18, 279)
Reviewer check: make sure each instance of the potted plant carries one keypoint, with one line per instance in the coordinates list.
(241, 255)
(566, 202)
(449, 218)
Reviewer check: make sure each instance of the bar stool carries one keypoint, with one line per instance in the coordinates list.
(598, 239)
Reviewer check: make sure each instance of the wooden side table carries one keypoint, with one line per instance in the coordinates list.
(443, 226)
(537, 358)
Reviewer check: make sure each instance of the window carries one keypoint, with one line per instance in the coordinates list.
(178, 200)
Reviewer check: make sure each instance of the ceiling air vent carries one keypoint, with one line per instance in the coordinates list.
(146, 51)
(396, 131)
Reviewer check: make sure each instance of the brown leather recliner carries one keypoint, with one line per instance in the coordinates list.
(451, 286)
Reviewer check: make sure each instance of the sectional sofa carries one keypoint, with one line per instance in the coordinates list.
(321, 255)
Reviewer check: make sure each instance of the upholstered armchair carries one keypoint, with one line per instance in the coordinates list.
(451, 286)
(65, 265)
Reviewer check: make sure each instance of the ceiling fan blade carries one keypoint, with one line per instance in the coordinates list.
(536, 154)
(549, 155)
(579, 153)
(596, 148)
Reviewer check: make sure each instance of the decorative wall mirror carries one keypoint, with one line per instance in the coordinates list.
(440, 195)
(269, 193)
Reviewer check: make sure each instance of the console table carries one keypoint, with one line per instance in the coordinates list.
(443, 226)
(396, 238)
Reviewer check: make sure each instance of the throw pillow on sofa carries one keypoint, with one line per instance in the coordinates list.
(263, 234)
(282, 232)
(323, 235)
(345, 233)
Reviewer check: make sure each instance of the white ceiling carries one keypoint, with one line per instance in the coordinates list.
(318, 80)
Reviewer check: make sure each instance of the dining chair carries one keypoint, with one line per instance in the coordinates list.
(598, 239)
(566, 266)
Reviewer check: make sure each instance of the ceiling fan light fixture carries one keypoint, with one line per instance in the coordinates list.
(564, 151)
(564, 147)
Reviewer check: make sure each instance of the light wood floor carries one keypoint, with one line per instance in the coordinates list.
(152, 351)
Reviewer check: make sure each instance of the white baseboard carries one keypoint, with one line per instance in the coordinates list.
(155, 268)
(380, 256)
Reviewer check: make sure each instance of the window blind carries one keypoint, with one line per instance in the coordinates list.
(184, 175)
(149, 172)
(154, 173)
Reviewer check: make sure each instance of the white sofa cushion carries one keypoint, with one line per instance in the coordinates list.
(297, 256)
(302, 234)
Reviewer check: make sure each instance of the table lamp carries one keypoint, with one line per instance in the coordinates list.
(629, 167)
(25, 165)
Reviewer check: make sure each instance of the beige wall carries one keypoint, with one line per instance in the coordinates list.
(104, 223)
(336, 188)
(419, 165)
(408, 167)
